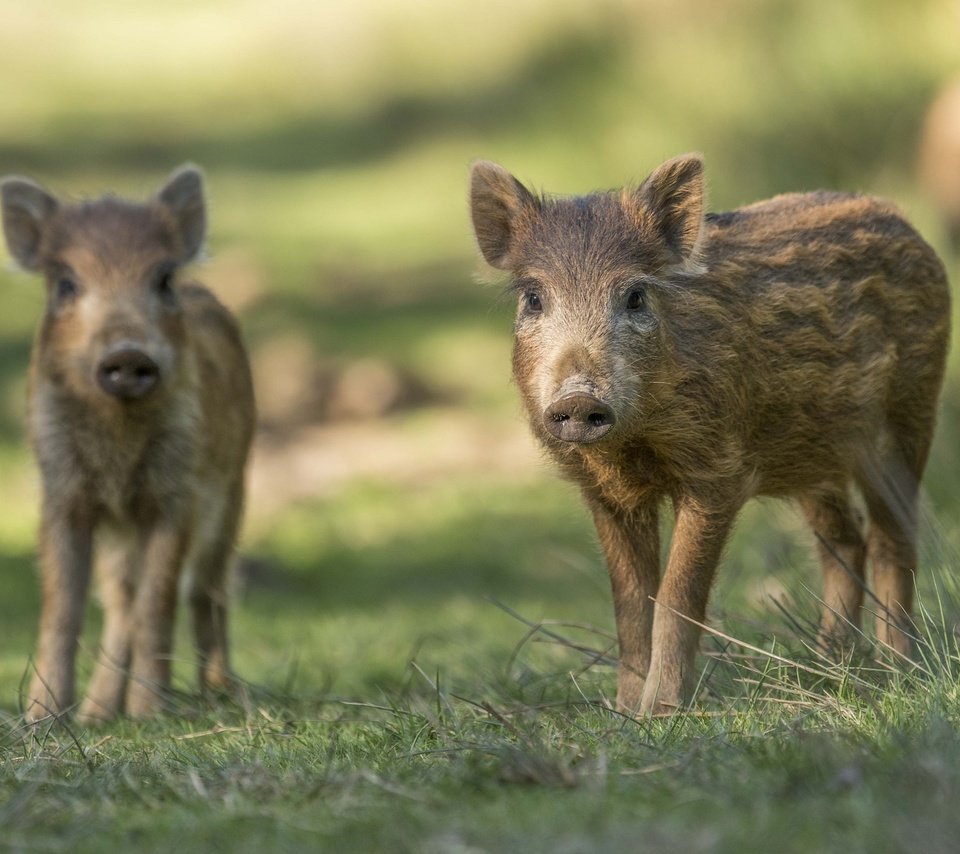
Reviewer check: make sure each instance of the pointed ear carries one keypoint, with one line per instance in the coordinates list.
(27, 209)
(672, 196)
(182, 195)
(496, 201)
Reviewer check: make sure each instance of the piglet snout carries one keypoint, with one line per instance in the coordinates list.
(579, 417)
(128, 373)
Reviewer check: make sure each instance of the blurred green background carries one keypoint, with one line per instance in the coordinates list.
(394, 491)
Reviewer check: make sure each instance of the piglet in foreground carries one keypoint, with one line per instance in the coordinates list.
(792, 348)
(141, 414)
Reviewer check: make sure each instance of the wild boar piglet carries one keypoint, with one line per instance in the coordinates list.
(792, 348)
(141, 414)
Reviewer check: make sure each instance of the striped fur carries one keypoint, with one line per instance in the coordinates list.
(792, 348)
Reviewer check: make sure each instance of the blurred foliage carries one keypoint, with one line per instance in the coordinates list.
(336, 140)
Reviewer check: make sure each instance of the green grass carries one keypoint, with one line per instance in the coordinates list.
(849, 760)
(430, 672)
(427, 646)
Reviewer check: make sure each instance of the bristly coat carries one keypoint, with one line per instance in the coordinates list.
(141, 414)
(793, 348)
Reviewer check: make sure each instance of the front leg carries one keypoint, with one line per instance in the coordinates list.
(107, 689)
(631, 544)
(699, 535)
(154, 607)
(66, 545)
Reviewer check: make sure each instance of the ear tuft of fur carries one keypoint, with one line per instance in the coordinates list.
(672, 197)
(496, 200)
(183, 196)
(27, 210)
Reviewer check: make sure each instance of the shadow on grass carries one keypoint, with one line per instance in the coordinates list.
(19, 607)
(478, 540)
(14, 358)
(401, 571)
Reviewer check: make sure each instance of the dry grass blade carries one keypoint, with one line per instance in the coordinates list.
(829, 674)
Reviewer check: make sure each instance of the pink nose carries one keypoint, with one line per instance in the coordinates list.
(579, 417)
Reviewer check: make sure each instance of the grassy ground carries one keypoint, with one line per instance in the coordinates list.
(421, 615)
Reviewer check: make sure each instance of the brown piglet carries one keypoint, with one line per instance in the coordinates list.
(141, 414)
(792, 348)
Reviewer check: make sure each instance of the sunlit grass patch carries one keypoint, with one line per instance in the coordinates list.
(432, 762)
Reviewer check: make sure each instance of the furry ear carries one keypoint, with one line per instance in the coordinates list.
(672, 196)
(182, 195)
(496, 199)
(27, 209)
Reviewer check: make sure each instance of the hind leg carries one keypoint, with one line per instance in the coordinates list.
(208, 610)
(842, 553)
(208, 595)
(891, 497)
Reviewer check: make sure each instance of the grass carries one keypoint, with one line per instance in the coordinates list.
(426, 639)
(436, 691)
(851, 759)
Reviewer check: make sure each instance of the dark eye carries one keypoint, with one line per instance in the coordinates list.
(636, 300)
(163, 285)
(66, 288)
(533, 302)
